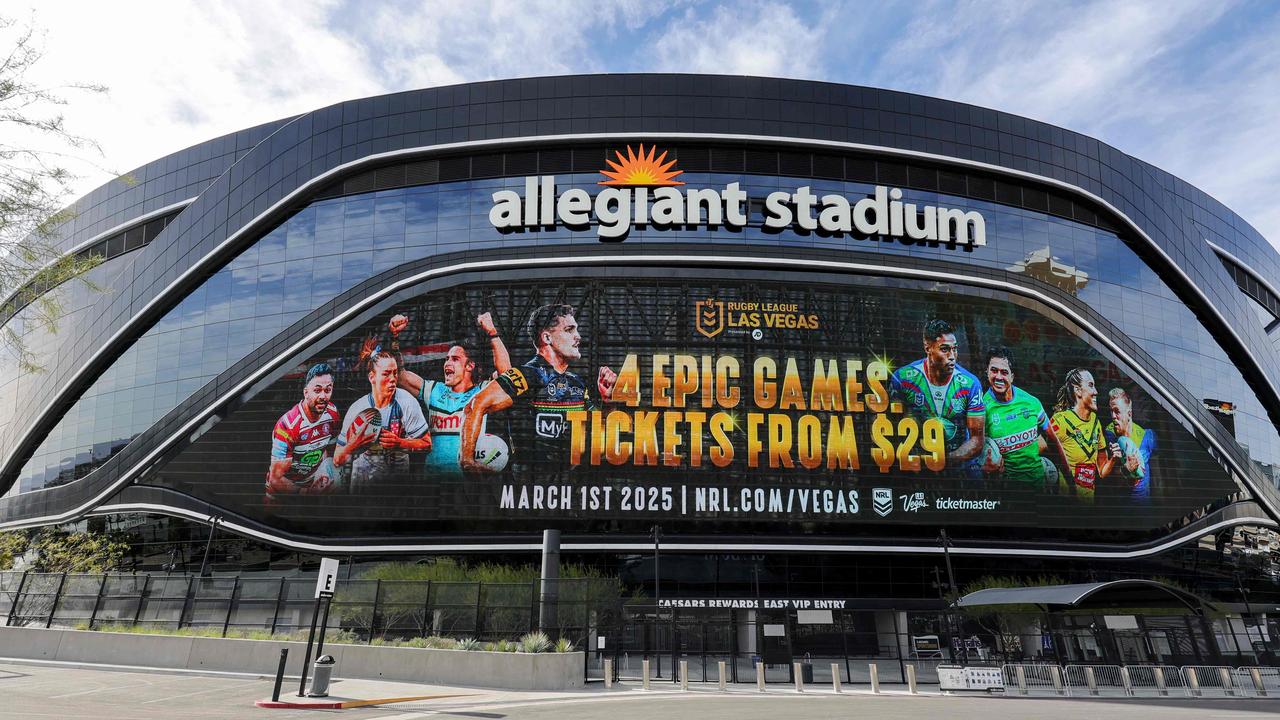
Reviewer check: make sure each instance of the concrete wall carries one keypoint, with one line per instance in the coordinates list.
(520, 671)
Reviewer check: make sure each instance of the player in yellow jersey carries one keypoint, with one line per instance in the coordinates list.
(1078, 433)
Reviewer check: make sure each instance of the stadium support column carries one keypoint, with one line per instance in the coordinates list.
(549, 598)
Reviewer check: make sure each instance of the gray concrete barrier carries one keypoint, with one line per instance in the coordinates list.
(722, 676)
(835, 677)
(523, 671)
(644, 671)
(875, 677)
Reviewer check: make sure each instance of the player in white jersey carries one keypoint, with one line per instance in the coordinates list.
(381, 429)
(446, 401)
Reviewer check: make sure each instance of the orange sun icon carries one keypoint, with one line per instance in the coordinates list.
(641, 169)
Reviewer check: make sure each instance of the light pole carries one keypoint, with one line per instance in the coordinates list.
(951, 581)
(1244, 593)
(657, 594)
(204, 561)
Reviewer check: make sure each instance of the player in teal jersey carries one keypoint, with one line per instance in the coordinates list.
(937, 387)
(446, 401)
(1017, 425)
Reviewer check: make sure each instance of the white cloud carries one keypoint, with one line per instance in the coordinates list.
(179, 73)
(760, 38)
(1155, 79)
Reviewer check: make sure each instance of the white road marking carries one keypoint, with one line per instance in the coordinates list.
(223, 688)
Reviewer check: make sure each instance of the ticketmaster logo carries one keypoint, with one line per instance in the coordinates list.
(965, 504)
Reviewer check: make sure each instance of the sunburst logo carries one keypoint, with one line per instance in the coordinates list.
(641, 169)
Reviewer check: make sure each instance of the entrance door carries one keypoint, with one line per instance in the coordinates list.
(773, 637)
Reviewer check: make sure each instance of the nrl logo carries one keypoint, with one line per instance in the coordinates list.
(709, 318)
(882, 501)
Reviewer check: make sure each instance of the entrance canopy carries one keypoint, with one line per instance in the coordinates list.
(1104, 595)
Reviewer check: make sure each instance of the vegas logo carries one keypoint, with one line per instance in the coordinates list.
(709, 317)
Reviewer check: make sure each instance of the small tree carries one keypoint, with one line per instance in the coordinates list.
(1006, 623)
(13, 545)
(34, 185)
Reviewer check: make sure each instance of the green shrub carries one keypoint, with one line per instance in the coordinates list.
(564, 645)
(535, 642)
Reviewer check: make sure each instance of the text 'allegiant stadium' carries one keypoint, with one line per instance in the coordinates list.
(616, 210)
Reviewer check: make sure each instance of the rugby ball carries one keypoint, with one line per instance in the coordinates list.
(492, 451)
(1050, 471)
(367, 423)
(991, 453)
(948, 430)
(1129, 449)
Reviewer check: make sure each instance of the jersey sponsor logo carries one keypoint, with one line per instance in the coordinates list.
(549, 425)
(1017, 440)
(1086, 475)
(518, 381)
(446, 423)
(318, 431)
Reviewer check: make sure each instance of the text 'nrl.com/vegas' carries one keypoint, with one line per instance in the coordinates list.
(642, 192)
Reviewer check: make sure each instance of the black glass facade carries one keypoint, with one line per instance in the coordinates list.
(297, 230)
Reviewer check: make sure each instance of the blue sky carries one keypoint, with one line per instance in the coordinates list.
(1193, 87)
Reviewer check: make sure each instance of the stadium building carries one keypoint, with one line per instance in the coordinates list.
(834, 351)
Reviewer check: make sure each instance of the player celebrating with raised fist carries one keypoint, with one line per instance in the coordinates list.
(937, 387)
(445, 402)
(544, 385)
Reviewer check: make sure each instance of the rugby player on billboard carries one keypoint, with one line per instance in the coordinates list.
(544, 385)
(445, 401)
(381, 428)
(937, 387)
(302, 441)
(1016, 426)
(1131, 444)
(1078, 429)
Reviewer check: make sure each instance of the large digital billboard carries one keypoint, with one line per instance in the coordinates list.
(714, 406)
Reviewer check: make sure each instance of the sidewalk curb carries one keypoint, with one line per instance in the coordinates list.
(282, 705)
(349, 704)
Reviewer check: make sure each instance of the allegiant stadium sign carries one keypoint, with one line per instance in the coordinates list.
(642, 192)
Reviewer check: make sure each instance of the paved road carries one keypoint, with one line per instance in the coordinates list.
(81, 693)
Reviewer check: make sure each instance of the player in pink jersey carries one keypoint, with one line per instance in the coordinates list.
(303, 439)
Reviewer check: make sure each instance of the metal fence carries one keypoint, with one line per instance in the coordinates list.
(1189, 681)
(363, 610)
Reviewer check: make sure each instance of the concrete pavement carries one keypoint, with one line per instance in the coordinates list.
(54, 690)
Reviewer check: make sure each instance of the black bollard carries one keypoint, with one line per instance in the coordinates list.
(275, 692)
(306, 659)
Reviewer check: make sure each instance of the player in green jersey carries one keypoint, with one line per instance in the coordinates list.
(937, 387)
(1017, 426)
